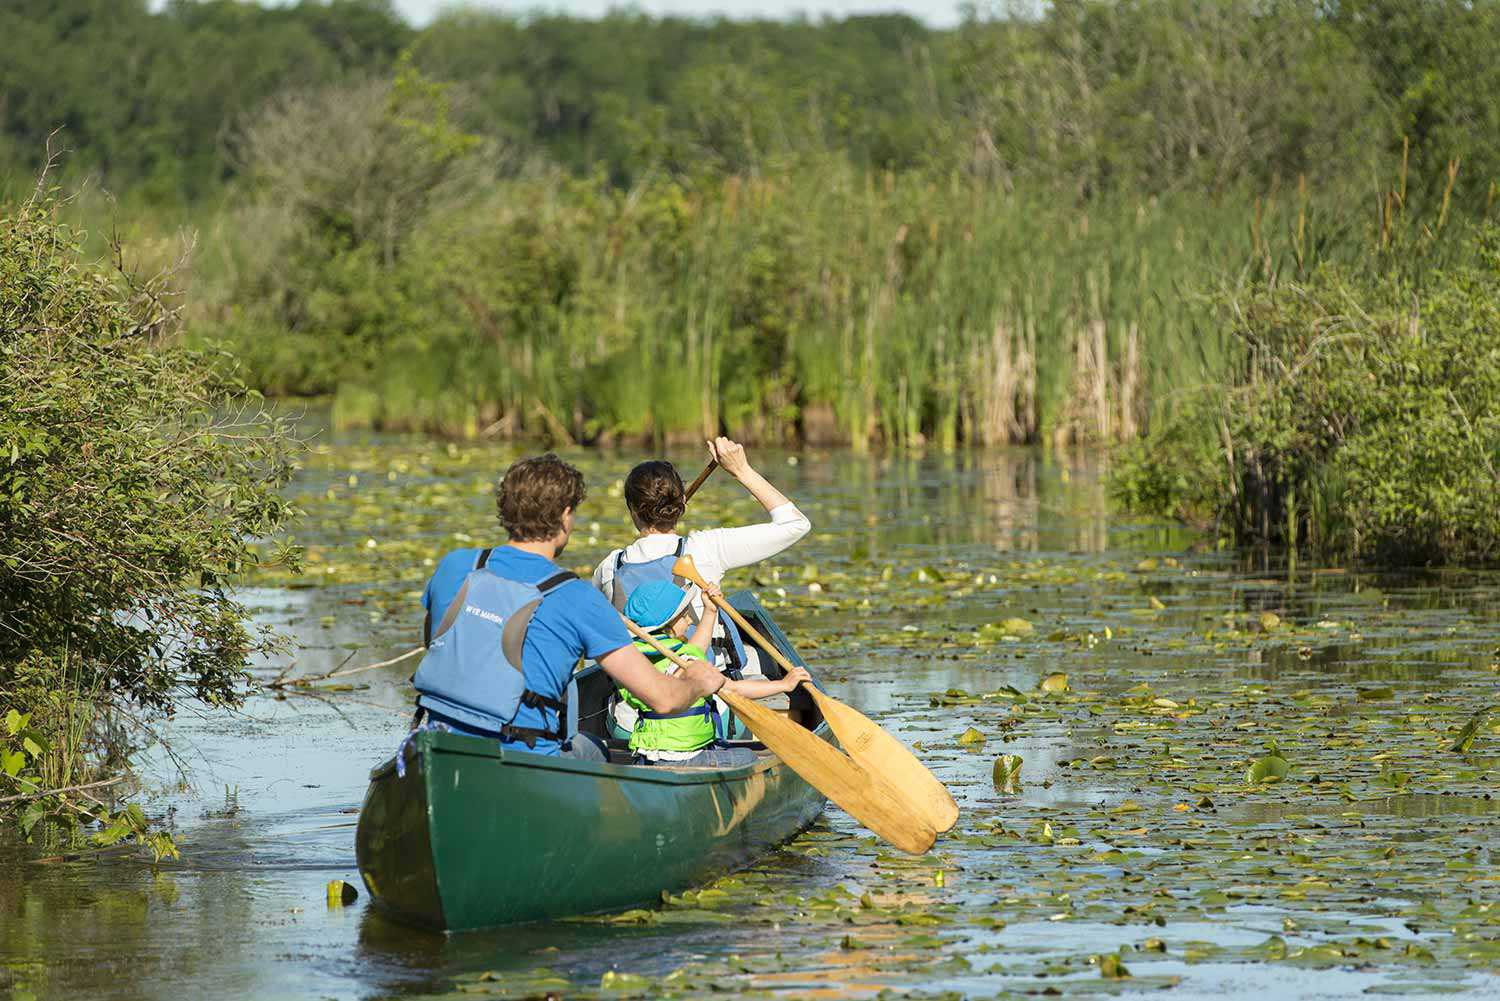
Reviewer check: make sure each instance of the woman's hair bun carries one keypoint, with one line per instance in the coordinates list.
(655, 495)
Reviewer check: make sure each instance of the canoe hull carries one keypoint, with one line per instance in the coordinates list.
(475, 835)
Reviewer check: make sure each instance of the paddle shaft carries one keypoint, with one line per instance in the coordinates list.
(751, 633)
(867, 743)
(823, 766)
(693, 487)
(656, 644)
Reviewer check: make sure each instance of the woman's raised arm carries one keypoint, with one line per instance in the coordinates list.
(731, 458)
(720, 550)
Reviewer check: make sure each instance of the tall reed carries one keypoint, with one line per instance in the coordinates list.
(824, 302)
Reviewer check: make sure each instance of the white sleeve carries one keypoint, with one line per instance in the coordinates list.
(720, 550)
(604, 573)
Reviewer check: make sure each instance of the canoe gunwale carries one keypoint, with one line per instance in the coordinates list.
(480, 747)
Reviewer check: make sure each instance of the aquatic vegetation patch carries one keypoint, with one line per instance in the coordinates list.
(1187, 771)
(1244, 799)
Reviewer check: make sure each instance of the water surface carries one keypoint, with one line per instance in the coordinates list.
(1134, 838)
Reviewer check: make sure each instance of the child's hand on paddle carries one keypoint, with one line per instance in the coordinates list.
(795, 677)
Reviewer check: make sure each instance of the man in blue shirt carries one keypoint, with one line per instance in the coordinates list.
(537, 501)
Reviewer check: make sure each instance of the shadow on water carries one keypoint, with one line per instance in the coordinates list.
(1133, 833)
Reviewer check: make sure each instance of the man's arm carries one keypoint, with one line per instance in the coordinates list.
(662, 693)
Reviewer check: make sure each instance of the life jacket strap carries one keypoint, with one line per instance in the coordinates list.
(703, 710)
(529, 735)
(620, 553)
(555, 581)
(532, 700)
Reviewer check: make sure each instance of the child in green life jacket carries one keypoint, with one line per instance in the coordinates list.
(686, 738)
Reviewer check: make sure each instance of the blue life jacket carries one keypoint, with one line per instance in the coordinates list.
(629, 576)
(472, 670)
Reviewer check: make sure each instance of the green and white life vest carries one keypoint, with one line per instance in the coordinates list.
(693, 729)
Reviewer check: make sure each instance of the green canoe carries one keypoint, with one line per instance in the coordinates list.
(476, 835)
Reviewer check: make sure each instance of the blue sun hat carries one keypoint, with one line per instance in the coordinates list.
(655, 603)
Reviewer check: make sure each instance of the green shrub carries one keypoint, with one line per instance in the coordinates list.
(1364, 419)
(134, 480)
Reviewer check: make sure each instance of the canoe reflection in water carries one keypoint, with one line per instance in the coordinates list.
(476, 835)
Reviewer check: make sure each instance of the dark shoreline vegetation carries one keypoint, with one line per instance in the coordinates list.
(1255, 244)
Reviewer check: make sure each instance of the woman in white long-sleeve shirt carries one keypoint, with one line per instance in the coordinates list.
(655, 496)
(656, 499)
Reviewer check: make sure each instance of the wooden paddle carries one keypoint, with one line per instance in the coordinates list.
(867, 742)
(823, 766)
(693, 487)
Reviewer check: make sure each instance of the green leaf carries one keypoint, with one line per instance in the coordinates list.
(971, 736)
(11, 762)
(1007, 773)
(632, 982)
(1465, 738)
(1376, 694)
(33, 813)
(15, 722)
(1012, 627)
(1055, 683)
(1271, 768)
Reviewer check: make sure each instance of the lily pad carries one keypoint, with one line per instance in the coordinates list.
(1465, 739)
(1007, 773)
(1271, 768)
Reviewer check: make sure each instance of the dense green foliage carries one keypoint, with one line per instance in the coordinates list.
(1090, 95)
(1362, 417)
(865, 231)
(133, 481)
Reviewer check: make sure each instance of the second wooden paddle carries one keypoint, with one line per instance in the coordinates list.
(693, 487)
(869, 744)
(822, 766)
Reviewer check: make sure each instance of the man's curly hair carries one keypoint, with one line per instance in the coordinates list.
(533, 495)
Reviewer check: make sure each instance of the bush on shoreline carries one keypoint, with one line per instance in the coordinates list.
(1363, 420)
(135, 477)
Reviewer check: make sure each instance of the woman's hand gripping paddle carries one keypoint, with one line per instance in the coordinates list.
(871, 747)
(823, 766)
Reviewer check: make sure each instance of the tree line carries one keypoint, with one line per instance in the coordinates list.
(1091, 95)
(863, 230)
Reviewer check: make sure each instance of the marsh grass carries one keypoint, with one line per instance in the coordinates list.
(824, 303)
(1355, 417)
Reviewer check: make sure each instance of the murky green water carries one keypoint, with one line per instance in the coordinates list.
(1135, 843)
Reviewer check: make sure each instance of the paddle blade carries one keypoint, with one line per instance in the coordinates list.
(829, 770)
(881, 754)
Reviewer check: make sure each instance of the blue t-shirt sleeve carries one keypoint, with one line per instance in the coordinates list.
(595, 621)
(446, 579)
